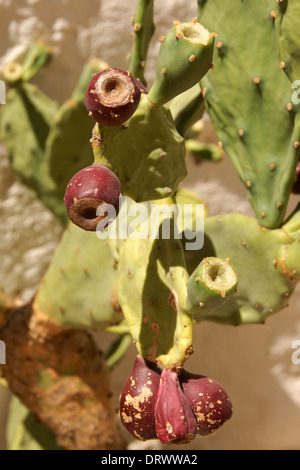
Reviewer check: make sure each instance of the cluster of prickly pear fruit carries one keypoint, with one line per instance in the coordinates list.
(171, 406)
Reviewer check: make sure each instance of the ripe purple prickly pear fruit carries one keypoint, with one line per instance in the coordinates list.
(112, 97)
(92, 197)
(208, 400)
(138, 398)
(296, 187)
(175, 421)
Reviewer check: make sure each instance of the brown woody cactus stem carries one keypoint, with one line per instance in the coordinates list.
(62, 378)
(6, 308)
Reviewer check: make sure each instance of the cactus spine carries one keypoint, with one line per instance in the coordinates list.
(185, 56)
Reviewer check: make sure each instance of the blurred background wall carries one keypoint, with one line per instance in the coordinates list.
(254, 362)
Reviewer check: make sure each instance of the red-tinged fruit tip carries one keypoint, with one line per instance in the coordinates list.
(175, 421)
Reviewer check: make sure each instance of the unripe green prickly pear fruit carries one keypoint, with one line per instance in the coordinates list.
(185, 56)
(212, 283)
(265, 262)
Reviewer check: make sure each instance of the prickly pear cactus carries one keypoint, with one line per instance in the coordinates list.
(149, 286)
(248, 98)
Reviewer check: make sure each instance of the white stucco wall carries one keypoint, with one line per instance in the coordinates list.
(253, 362)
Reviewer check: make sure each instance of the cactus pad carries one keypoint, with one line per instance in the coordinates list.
(184, 57)
(152, 293)
(80, 287)
(146, 153)
(287, 22)
(258, 256)
(249, 101)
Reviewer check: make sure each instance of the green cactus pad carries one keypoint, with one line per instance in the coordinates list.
(68, 149)
(187, 108)
(25, 123)
(25, 432)
(287, 23)
(143, 29)
(204, 151)
(258, 256)
(211, 285)
(152, 294)
(146, 153)
(36, 58)
(80, 287)
(249, 101)
(184, 57)
(292, 259)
